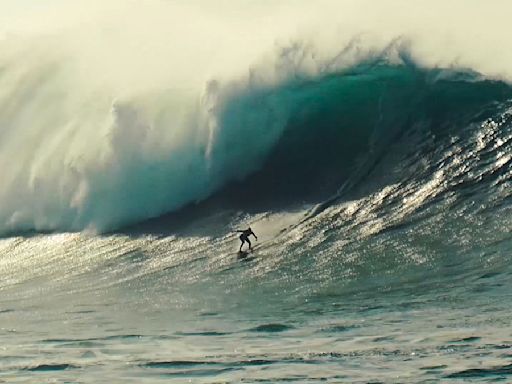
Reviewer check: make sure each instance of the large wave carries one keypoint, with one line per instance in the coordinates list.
(84, 148)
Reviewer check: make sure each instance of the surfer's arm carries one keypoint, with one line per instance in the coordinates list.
(256, 237)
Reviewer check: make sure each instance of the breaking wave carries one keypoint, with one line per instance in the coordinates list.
(296, 127)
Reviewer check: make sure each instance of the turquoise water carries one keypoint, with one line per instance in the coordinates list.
(127, 312)
(408, 283)
(383, 254)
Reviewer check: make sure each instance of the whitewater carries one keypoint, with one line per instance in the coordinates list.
(367, 144)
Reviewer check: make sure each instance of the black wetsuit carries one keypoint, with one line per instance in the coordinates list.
(244, 237)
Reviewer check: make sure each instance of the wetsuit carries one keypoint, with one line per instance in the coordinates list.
(244, 237)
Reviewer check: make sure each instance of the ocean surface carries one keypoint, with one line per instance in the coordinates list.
(379, 188)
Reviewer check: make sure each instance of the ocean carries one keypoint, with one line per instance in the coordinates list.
(378, 184)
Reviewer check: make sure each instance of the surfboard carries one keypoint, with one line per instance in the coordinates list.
(246, 254)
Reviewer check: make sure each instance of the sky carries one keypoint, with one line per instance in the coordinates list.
(114, 41)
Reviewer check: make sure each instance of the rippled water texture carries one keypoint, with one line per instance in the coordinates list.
(408, 282)
(369, 147)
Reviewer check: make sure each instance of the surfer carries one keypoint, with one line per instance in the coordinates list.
(244, 237)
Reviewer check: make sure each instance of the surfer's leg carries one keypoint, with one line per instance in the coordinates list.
(242, 240)
(249, 242)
